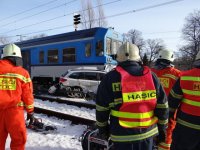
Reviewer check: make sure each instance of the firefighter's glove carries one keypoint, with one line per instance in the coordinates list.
(30, 118)
(161, 136)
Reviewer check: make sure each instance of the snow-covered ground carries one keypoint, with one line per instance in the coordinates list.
(67, 136)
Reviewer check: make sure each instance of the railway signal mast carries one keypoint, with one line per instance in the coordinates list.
(77, 20)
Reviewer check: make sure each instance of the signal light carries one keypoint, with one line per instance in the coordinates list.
(77, 19)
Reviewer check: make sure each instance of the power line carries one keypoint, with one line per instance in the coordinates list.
(115, 15)
(18, 20)
(59, 17)
(158, 5)
(145, 8)
(28, 10)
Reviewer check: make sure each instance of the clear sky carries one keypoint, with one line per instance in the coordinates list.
(33, 17)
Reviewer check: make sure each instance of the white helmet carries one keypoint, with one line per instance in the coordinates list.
(128, 51)
(197, 56)
(166, 54)
(11, 50)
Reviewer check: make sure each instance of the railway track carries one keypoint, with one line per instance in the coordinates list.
(73, 119)
(64, 101)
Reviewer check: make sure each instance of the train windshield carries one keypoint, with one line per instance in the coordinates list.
(111, 46)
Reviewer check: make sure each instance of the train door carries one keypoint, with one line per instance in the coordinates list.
(26, 60)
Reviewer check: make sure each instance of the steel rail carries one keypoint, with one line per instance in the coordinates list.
(68, 102)
(73, 119)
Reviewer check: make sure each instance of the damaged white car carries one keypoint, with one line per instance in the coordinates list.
(79, 83)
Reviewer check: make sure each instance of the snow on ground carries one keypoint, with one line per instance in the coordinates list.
(67, 136)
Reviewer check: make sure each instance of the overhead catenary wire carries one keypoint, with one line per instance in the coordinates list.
(111, 16)
(144, 8)
(22, 12)
(59, 17)
(27, 17)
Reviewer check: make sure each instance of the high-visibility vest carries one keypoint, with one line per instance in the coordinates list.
(139, 100)
(190, 85)
(15, 87)
(167, 77)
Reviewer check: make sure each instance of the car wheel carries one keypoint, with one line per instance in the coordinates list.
(69, 92)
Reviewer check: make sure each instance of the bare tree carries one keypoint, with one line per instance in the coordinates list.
(100, 15)
(182, 62)
(145, 60)
(153, 46)
(4, 40)
(135, 37)
(191, 35)
(87, 15)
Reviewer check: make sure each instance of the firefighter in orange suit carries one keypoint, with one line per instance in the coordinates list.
(168, 75)
(16, 93)
(185, 97)
(131, 105)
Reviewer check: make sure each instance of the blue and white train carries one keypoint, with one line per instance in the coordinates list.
(47, 58)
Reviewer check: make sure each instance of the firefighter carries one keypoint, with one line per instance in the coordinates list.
(185, 97)
(131, 105)
(16, 94)
(168, 74)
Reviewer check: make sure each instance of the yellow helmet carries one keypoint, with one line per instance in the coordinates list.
(128, 51)
(11, 50)
(166, 54)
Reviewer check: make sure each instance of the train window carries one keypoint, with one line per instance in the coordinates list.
(114, 47)
(99, 48)
(119, 44)
(41, 56)
(88, 49)
(69, 55)
(53, 56)
(26, 59)
(108, 46)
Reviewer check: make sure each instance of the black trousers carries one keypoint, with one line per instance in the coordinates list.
(185, 138)
(146, 144)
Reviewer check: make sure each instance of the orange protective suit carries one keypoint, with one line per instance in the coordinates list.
(16, 92)
(168, 77)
